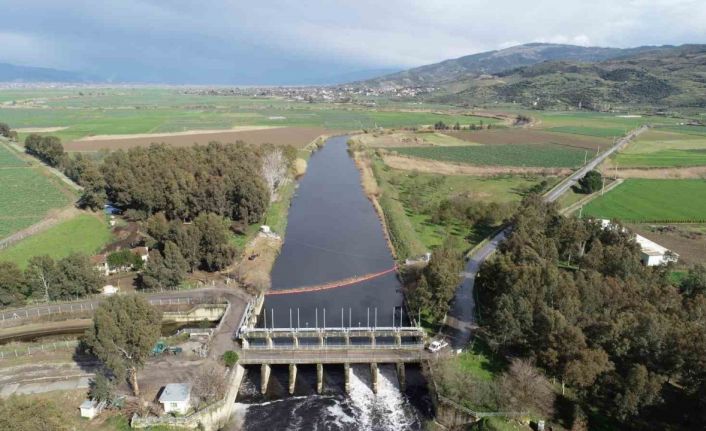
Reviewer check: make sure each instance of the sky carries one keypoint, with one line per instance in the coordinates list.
(314, 41)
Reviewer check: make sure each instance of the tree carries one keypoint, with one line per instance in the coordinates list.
(210, 384)
(124, 259)
(124, 331)
(230, 358)
(13, 285)
(274, 170)
(164, 271)
(523, 388)
(43, 276)
(101, 388)
(77, 277)
(695, 281)
(443, 274)
(591, 182)
(40, 414)
(4, 130)
(215, 249)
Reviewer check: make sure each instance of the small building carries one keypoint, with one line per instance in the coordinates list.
(653, 254)
(91, 408)
(176, 398)
(143, 252)
(100, 262)
(109, 290)
(265, 229)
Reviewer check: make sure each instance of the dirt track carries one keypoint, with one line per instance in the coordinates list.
(527, 136)
(295, 136)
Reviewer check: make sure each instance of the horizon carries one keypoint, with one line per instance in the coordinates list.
(280, 43)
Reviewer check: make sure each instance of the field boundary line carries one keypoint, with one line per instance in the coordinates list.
(583, 201)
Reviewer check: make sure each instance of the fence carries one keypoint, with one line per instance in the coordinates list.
(29, 350)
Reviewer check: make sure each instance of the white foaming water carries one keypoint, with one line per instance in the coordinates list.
(386, 410)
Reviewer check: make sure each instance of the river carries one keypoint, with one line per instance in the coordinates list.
(333, 233)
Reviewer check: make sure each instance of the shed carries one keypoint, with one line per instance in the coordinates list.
(653, 254)
(109, 290)
(176, 397)
(91, 408)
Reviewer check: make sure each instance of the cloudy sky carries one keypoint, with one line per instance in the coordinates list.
(303, 41)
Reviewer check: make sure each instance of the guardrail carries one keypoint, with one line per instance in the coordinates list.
(337, 347)
(345, 329)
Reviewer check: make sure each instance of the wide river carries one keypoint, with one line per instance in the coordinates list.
(333, 233)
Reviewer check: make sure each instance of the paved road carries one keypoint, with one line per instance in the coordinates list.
(461, 319)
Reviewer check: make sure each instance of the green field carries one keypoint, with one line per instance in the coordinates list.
(667, 147)
(27, 193)
(130, 111)
(85, 233)
(600, 132)
(529, 155)
(638, 200)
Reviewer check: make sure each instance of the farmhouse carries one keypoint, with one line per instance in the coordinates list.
(100, 262)
(653, 254)
(176, 398)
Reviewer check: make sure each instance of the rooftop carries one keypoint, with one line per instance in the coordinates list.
(175, 392)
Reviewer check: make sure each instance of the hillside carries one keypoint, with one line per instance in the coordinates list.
(493, 62)
(664, 77)
(14, 73)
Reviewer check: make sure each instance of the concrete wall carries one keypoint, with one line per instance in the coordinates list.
(211, 418)
(210, 312)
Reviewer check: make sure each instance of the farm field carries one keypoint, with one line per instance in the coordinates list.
(27, 193)
(409, 199)
(670, 147)
(108, 111)
(529, 155)
(529, 136)
(85, 233)
(297, 137)
(643, 200)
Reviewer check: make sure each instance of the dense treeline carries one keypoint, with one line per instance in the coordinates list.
(47, 279)
(617, 332)
(179, 248)
(430, 290)
(185, 182)
(48, 149)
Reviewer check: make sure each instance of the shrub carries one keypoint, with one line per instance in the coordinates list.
(230, 358)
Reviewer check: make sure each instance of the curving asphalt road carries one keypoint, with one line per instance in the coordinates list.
(461, 319)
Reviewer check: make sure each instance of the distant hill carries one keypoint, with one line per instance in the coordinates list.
(14, 73)
(545, 75)
(492, 62)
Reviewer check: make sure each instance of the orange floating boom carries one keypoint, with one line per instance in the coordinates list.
(331, 285)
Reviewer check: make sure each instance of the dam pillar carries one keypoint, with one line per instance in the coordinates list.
(374, 376)
(292, 378)
(372, 339)
(270, 343)
(319, 378)
(347, 337)
(265, 371)
(347, 377)
(245, 343)
(401, 376)
(295, 341)
(322, 340)
(398, 339)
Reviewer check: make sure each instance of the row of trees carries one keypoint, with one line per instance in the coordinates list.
(430, 290)
(47, 149)
(6, 132)
(185, 182)
(613, 329)
(440, 125)
(47, 279)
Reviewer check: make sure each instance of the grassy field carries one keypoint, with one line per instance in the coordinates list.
(85, 233)
(529, 155)
(669, 147)
(27, 193)
(414, 229)
(638, 200)
(88, 112)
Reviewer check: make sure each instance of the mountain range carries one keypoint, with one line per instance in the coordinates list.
(551, 75)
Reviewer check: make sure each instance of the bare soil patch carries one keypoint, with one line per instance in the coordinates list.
(687, 240)
(256, 272)
(527, 136)
(298, 137)
(446, 168)
(39, 129)
(695, 172)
